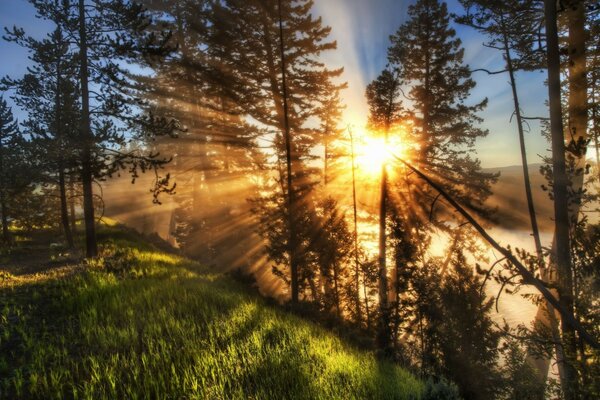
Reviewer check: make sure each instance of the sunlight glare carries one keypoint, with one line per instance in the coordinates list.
(372, 152)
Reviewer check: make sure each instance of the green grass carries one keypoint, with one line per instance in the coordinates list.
(141, 323)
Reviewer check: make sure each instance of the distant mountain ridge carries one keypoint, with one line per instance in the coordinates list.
(509, 198)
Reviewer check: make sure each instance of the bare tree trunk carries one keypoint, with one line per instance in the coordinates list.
(87, 179)
(578, 107)
(5, 231)
(3, 206)
(354, 214)
(72, 206)
(546, 313)
(337, 291)
(325, 159)
(562, 256)
(64, 212)
(292, 243)
(367, 312)
(384, 334)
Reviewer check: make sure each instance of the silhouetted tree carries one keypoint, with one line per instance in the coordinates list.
(108, 36)
(385, 110)
(13, 167)
(429, 58)
(272, 58)
(49, 94)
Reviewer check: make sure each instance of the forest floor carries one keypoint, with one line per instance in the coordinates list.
(140, 322)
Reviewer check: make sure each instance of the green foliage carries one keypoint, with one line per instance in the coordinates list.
(440, 390)
(383, 98)
(428, 58)
(521, 380)
(14, 156)
(453, 335)
(177, 330)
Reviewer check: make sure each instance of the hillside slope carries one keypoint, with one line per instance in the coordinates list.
(142, 323)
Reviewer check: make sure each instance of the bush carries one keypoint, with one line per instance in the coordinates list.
(440, 389)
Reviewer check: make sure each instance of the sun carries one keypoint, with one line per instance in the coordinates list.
(370, 155)
(372, 152)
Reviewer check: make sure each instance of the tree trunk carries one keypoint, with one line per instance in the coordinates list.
(367, 312)
(87, 179)
(337, 291)
(325, 160)
(562, 256)
(64, 212)
(354, 214)
(3, 206)
(578, 107)
(384, 334)
(292, 242)
(548, 316)
(5, 231)
(72, 206)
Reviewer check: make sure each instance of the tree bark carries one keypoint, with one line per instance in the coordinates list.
(292, 242)
(72, 206)
(3, 206)
(87, 179)
(355, 236)
(5, 231)
(64, 212)
(562, 253)
(384, 334)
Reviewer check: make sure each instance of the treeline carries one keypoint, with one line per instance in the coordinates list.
(234, 98)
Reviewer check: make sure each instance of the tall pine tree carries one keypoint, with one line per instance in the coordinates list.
(108, 36)
(385, 111)
(429, 57)
(13, 179)
(49, 94)
(272, 61)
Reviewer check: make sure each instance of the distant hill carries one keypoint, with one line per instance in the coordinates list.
(509, 197)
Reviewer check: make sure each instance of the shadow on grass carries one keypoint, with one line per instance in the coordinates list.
(185, 334)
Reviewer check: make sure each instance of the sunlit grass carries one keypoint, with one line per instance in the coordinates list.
(162, 326)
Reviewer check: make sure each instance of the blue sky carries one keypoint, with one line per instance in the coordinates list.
(361, 29)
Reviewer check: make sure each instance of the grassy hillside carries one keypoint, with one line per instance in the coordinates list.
(142, 323)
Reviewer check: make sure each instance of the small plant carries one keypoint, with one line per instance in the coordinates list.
(6, 276)
(440, 389)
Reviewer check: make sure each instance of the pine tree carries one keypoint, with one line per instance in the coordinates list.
(469, 342)
(107, 35)
(384, 111)
(216, 156)
(512, 30)
(429, 58)
(12, 165)
(272, 64)
(49, 94)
